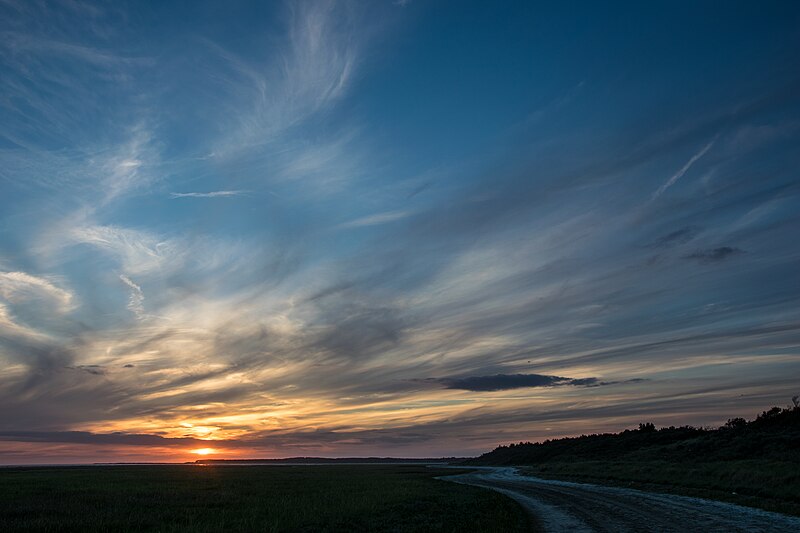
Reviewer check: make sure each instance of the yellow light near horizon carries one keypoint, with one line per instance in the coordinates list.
(203, 451)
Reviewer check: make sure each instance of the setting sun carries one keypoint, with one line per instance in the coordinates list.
(203, 451)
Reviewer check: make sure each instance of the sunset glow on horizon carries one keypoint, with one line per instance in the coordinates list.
(203, 451)
(410, 229)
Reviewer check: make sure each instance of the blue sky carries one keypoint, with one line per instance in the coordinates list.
(414, 228)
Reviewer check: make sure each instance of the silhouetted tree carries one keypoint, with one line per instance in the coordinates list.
(647, 427)
(735, 423)
(772, 413)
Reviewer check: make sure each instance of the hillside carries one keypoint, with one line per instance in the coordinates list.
(754, 463)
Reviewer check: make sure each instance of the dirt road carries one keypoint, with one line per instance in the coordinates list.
(578, 507)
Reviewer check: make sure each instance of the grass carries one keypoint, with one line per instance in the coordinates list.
(770, 485)
(400, 498)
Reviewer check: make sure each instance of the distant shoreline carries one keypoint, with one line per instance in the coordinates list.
(310, 461)
(334, 460)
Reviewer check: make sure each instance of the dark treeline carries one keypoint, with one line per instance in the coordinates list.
(773, 435)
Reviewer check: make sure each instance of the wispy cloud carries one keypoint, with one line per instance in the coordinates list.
(22, 43)
(8, 324)
(377, 219)
(137, 251)
(715, 255)
(309, 74)
(680, 236)
(136, 299)
(84, 437)
(19, 286)
(101, 173)
(498, 382)
(210, 194)
(684, 169)
(128, 167)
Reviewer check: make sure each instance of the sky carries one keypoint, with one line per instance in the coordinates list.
(414, 228)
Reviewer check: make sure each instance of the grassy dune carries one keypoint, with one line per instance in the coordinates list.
(754, 463)
(248, 498)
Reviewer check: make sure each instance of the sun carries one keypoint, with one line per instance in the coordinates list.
(203, 451)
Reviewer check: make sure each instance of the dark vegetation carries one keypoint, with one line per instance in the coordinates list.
(753, 463)
(774, 434)
(248, 498)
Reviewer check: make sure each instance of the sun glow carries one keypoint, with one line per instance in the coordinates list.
(203, 451)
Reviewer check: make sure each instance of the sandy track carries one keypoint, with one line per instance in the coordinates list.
(576, 507)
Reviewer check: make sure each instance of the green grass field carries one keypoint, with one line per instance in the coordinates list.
(249, 498)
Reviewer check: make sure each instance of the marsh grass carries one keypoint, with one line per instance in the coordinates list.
(248, 498)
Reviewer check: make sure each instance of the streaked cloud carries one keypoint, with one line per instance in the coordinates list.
(684, 169)
(677, 237)
(19, 286)
(137, 251)
(499, 382)
(210, 194)
(136, 299)
(312, 70)
(715, 254)
(376, 219)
